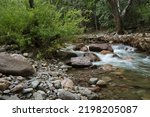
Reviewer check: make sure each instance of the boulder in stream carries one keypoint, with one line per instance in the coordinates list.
(100, 47)
(79, 62)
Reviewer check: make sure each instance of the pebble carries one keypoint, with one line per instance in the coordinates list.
(44, 95)
(4, 84)
(57, 84)
(93, 80)
(35, 83)
(37, 96)
(67, 84)
(28, 90)
(6, 91)
(66, 95)
(17, 88)
(84, 91)
(101, 83)
(20, 78)
(25, 54)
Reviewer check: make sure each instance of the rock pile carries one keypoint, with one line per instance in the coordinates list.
(25, 78)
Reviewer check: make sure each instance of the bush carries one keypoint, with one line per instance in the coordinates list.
(42, 27)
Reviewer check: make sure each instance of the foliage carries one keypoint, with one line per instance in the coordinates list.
(44, 26)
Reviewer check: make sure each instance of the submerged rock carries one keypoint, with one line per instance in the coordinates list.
(10, 65)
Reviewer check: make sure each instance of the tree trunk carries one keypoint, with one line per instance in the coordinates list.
(31, 3)
(119, 24)
(116, 13)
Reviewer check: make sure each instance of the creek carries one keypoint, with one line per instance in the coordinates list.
(132, 83)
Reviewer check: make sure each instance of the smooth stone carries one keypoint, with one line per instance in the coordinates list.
(80, 62)
(79, 46)
(4, 84)
(20, 78)
(101, 83)
(15, 65)
(100, 47)
(35, 83)
(37, 96)
(44, 95)
(84, 91)
(28, 90)
(57, 84)
(67, 84)
(92, 57)
(93, 80)
(17, 88)
(66, 95)
(6, 91)
(105, 52)
(25, 54)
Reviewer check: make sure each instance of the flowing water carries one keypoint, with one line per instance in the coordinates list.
(136, 67)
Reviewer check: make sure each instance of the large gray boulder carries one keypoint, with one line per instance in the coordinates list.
(10, 65)
(100, 47)
(79, 62)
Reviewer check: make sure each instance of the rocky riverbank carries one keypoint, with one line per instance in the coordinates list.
(48, 82)
(138, 40)
(23, 78)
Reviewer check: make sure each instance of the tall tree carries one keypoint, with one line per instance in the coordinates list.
(119, 14)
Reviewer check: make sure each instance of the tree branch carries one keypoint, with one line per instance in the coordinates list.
(126, 9)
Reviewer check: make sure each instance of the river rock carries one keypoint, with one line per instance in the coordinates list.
(101, 83)
(67, 84)
(84, 91)
(93, 80)
(28, 90)
(10, 65)
(78, 46)
(57, 84)
(92, 57)
(66, 95)
(37, 96)
(4, 84)
(35, 83)
(42, 93)
(80, 62)
(100, 47)
(17, 88)
(84, 49)
(20, 78)
(104, 52)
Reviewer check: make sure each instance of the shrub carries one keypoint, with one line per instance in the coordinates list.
(45, 26)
